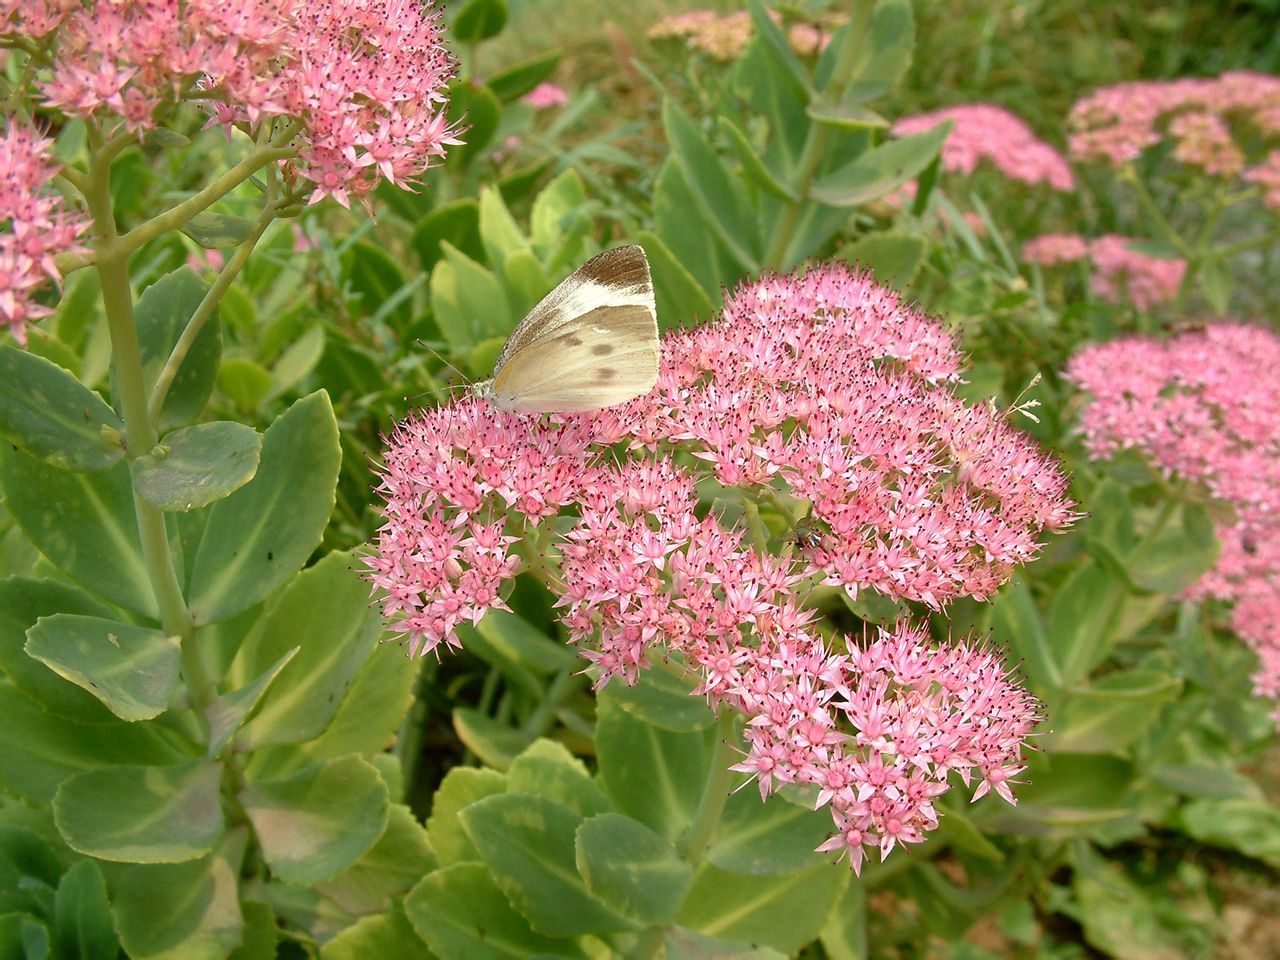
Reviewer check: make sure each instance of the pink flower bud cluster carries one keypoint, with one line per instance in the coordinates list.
(1115, 124)
(35, 226)
(725, 37)
(817, 395)
(1119, 272)
(1205, 406)
(1267, 176)
(546, 95)
(984, 131)
(364, 79)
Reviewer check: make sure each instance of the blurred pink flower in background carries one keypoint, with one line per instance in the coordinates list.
(821, 393)
(1267, 176)
(546, 95)
(1205, 406)
(35, 225)
(984, 131)
(365, 80)
(1120, 273)
(725, 36)
(1055, 248)
(1115, 124)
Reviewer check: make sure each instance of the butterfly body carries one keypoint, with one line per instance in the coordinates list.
(592, 342)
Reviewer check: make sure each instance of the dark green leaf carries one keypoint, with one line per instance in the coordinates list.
(458, 222)
(82, 927)
(29, 870)
(1249, 825)
(632, 869)
(493, 741)
(548, 769)
(195, 466)
(259, 536)
(1112, 712)
(752, 165)
(1178, 555)
(39, 750)
(161, 316)
(461, 914)
(787, 67)
(845, 116)
(23, 937)
(653, 775)
(375, 277)
(461, 787)
(479, 20)
(881, 170)
(217, 230)
(228, 712)
(142, 814)
(682, 944)
(1206, 782)
(467, 300)
(1017, 627)
(401, 857)
(91, 533)
(22, 602)
(528, 844)
(182, 911)
(786, 911)
(680, 300)
(894, 258)
(325, 611)
(890, 40)
(478, 110)
(664, 700)
(722, 204)
(245, 382)
(1077, 621)
(52, 415)
(761, 838)
(519, 78)
(315, 824)
(388, 935)
(1066, 795)
(132, 670)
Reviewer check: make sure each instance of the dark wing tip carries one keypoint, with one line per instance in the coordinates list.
(625, 267)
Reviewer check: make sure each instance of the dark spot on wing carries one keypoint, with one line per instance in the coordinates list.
(605, 374)
(621, 267)
(572, 341)
(602, 349)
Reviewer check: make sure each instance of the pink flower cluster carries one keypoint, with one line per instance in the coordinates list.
(1205, 406)
(1115, 124)
(983, 130)
(819, 395)
(1267, 176)
(35, 226)
(725, 37)
(546, 95)
(365, 78)
(1119, 272)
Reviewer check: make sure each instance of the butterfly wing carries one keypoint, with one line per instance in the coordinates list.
(606, 356)
(590, 343)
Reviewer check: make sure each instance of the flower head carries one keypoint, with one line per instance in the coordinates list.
(362, 80)
(984, 131)
(1121, 272)
(35, 225)
(1205, 406)
(819, 393)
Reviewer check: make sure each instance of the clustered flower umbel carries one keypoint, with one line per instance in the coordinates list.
(1116, 124)
(364, 78)
(1205, 406)
(820, 393)
(1119, 271)
(725, 37)
(985, 131)
(35, 226)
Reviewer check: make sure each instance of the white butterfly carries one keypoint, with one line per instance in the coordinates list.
(591, 342)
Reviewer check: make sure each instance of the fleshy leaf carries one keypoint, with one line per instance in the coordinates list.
(53, 416)
(197, 465)
(82, 928)
(142, 814)
(256, 538)
(228, 712)
(133, 670)
(881, 170)
(632, 869)
(461, 787)
(317, 823)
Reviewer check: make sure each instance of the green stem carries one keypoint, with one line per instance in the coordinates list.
(818, 139)
(693, 846)
(176, 216)
(204, 311)
(140, 436)
(1148, 203)
(1241, 246)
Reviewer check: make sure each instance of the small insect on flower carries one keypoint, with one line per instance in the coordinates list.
(592, 342)
(807, 536)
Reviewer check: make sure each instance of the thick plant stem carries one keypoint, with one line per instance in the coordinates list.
(112, 264)
(715, 794)
(818, 139)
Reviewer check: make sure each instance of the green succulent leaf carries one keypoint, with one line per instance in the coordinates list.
(632, 869)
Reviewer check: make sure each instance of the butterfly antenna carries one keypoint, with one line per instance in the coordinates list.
(426, 346)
